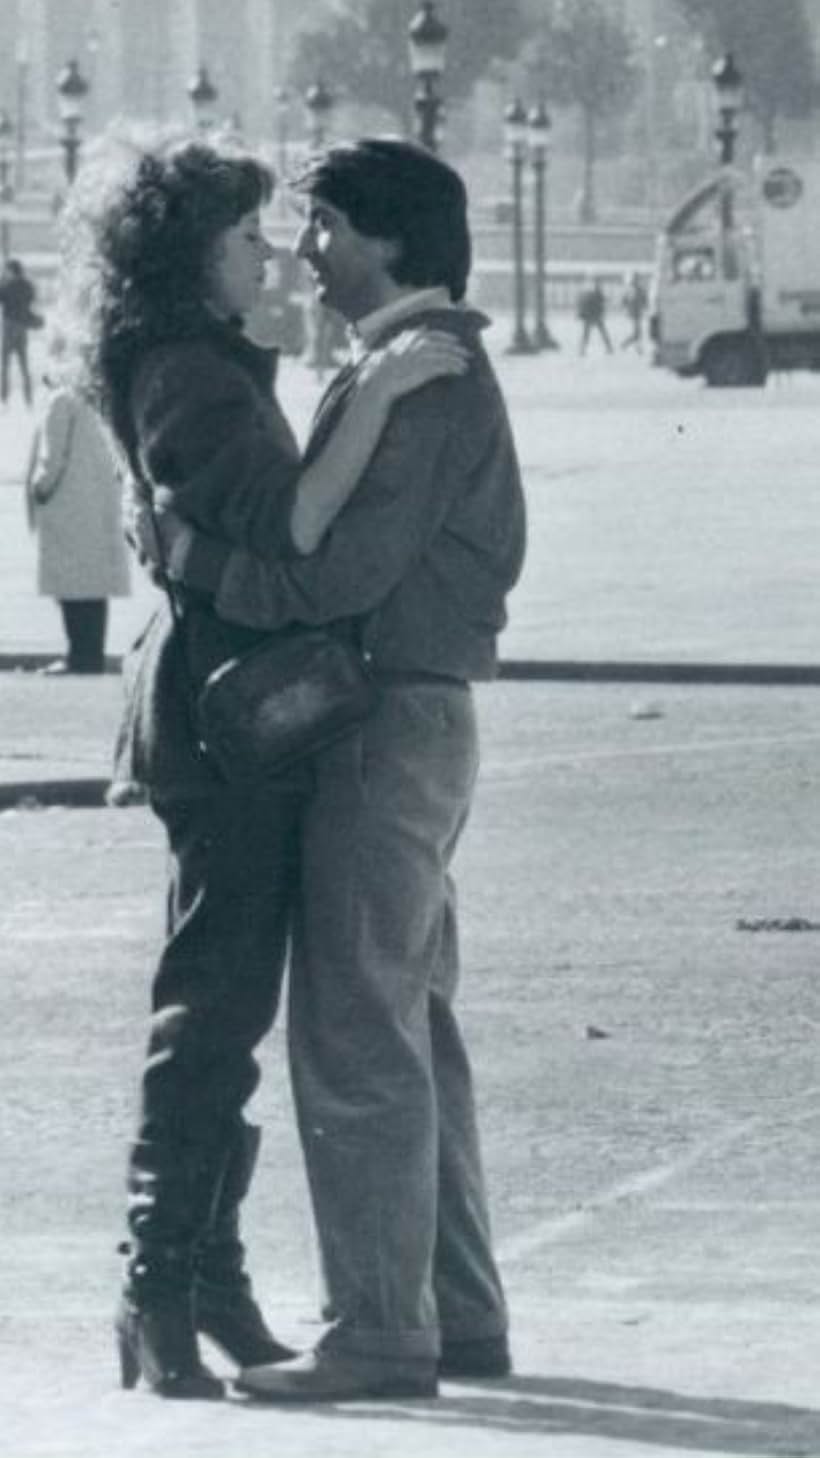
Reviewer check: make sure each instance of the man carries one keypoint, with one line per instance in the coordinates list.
(416, 567)
(635, 303)
(592, 313)
(17, 296)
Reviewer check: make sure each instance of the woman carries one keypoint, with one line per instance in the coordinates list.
(170, 261)
(75, 505)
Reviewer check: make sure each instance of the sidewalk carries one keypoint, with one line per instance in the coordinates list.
(58, 735)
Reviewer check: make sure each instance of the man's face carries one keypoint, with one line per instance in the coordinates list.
(349, 269)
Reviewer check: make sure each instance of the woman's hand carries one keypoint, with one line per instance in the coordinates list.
(413, 359)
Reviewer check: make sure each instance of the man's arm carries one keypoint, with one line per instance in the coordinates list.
(400, 503)
(387, 374)
(216, 459)
(210, 436)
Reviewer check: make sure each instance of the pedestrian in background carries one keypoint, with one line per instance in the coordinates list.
(75, 508)
(635, 304)
(591, 310)
(17, 296)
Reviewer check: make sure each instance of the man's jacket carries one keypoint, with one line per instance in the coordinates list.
(425, 551)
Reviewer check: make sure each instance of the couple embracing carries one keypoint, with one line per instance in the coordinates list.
(402, 528)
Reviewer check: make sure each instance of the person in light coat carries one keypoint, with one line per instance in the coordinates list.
(75, 508)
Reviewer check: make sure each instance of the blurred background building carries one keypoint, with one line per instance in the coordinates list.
(139, 55)
(627, 132)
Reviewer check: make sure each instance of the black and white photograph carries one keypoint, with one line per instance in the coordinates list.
(410, 728)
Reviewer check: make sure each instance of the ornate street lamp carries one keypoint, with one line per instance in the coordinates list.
(281, 99)
(72, 89)
(21, 61)
(319, 103)
(728, 84)
(203, 96)
(540, 127)
(93, 45)
(516, 137)
(6, 189)
(427, 43)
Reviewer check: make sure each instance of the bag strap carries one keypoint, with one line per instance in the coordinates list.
(177, 614)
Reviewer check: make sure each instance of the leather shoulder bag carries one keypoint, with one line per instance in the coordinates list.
(261, 711)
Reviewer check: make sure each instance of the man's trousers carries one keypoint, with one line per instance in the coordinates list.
(380, 1074)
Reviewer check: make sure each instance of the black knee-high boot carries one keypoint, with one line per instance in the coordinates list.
(225, 1309)
(173, 1189)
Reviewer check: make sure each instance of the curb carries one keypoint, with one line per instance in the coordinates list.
(537, 670)
(45, 794)
(585, 671)
(36, 662)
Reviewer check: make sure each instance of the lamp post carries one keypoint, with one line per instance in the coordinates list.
(427, 43)
(515, 130)
(656, 44)
(21, 60)
(319, 103)
(540, 126)
(6, 189)
(203, 96)
(93, 44)
(728, 84)
(282, 104)
(72, 89)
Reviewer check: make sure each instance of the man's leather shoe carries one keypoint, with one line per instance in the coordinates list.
(326, 1376)
(477, 1357)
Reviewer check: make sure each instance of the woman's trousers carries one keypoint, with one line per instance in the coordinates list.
(234, 870)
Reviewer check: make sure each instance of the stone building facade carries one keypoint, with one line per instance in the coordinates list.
(139, 56)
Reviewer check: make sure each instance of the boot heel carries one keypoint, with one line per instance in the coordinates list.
(129, 1361)
(159, 1345)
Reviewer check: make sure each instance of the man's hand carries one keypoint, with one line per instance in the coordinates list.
(167, 552)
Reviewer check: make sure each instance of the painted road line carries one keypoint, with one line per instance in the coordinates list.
(546, 1232)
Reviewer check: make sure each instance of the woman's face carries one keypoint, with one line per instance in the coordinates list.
(237, 267)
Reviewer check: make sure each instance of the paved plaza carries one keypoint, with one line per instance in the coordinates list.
(641, 934)
(667, 521)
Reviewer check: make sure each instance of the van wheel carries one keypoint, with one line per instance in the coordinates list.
(733, 364)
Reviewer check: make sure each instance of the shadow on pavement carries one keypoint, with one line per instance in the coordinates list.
(646, 1415)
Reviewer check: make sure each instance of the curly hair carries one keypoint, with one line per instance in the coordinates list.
(137, 241)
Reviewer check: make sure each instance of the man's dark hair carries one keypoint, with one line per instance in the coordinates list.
(398, 191)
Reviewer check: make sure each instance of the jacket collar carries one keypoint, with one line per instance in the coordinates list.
(461, 319)
(432, 303)
(372, 325)
(261, 361)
